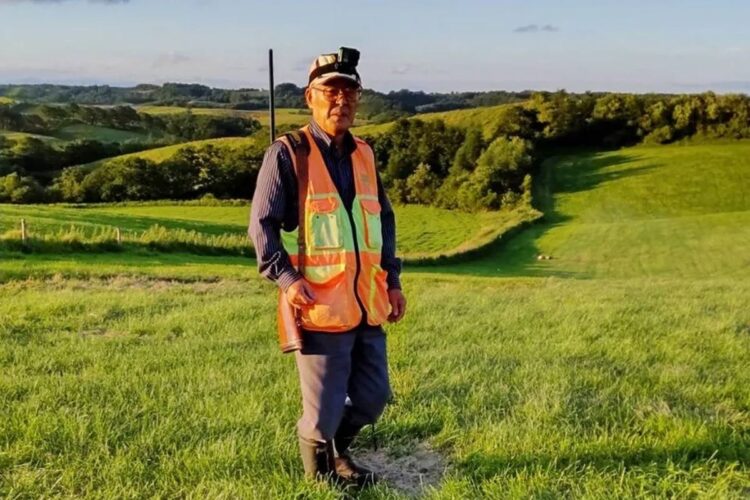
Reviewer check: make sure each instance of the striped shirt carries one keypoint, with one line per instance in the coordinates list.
(274, 207)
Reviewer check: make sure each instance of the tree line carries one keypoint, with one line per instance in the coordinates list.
(421, 161)
(376, 106)
(431, 162)
(46, 119)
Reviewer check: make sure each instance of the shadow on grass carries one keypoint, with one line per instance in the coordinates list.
(517, 256)
(727, 448)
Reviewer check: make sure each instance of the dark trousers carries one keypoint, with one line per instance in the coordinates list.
(333, 366)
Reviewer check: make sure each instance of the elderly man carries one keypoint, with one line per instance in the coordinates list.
(341, 275)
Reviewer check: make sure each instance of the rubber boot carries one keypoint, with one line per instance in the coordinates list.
(318, 459)
(345, 466)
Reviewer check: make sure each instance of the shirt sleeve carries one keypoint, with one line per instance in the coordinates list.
(388, 260)
(274, 207)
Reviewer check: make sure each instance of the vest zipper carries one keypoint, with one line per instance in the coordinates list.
(359, 264)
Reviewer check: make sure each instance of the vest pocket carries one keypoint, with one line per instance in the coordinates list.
(378, 306)
(333, 309)
(373, 229)
(324, 226)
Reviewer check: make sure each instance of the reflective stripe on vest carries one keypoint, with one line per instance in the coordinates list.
(333, 247)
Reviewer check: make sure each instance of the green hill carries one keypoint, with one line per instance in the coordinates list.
(485, 118)
(159, 155)
(20, 135)
(422, 230)
(101, 134)
(284, 116)
(617, 369)
(679, 210)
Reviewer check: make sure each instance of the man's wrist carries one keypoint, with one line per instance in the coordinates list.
(393, 281)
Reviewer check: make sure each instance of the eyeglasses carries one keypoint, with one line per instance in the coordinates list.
(332, 93)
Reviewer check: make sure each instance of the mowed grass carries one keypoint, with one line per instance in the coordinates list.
(484, 118)
(421, 230)
(581, 376)
(666, 211)
(82, 131)
(284, 116)
(101, 134)
(14, 136)
(164, 153)
(173, 386)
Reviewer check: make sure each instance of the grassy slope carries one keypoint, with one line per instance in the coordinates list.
(20, 135)
(484, 118)
(630, 383)
(284, 116)
(166, 152)
(421, 230)
(102, 134)
(640, 212)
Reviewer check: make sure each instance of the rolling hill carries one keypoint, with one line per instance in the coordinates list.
(660, 211)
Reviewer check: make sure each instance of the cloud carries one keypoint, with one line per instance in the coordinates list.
(535, 28)
(171, 59)
(402, 70)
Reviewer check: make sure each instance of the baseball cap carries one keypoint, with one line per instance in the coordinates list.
(342, 64)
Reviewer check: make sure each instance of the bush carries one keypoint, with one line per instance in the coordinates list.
(17, 189)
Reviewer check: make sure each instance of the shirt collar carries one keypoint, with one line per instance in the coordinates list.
(325, 143)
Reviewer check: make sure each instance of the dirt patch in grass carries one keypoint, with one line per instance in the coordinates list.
(411, 474)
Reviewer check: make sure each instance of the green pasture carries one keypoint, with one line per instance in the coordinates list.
(14, 136)
(484, 118)
(421, 230)
(615, 369)
(101, 134)
(284, 116)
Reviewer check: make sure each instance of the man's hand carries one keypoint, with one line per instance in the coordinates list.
(398, 304)
(300, 294)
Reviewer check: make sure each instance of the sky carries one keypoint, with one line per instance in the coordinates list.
(435, 46)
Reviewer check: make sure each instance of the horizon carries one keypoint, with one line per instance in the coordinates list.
(673, 47)
(265, 89)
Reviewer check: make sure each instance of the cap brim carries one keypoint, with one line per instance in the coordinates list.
(332, 76)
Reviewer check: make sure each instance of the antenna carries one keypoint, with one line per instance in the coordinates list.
(271, 104)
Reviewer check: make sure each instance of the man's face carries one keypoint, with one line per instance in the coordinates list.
(333, 104)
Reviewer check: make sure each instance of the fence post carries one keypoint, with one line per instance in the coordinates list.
(23, 231)
(118, 235)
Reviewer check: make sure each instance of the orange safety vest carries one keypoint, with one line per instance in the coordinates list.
(341, 251)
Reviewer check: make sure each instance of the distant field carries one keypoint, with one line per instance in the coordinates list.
(421, 230)
(101, 134)
(6, 100)
(81, 131)
(20, 135)
(284, 116)
(617, 369)
(485, 118)
(159, 155)
(664, 211)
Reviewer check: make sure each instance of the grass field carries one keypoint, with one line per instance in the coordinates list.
(485, 118)
(616, 369)
(284, 116)
(20, 135)
(81, 131)
(101, 134)
(664, 211)
(421, 230)
(164, 153)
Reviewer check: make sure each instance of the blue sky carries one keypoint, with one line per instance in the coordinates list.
(638, 46)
